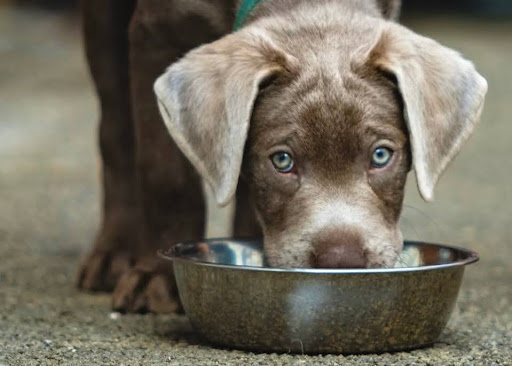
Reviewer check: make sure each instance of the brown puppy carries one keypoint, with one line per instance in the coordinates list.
(317, 109)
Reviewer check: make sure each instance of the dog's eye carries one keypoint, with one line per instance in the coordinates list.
(381, 157)
(282, 161)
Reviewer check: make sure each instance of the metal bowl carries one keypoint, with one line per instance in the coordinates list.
(233, 300)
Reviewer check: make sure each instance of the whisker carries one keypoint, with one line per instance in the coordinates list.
(438, 226)
(411, 225)
(401, 261)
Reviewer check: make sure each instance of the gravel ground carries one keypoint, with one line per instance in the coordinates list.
(49, 210)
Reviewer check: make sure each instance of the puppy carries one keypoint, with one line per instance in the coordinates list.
(311, 113)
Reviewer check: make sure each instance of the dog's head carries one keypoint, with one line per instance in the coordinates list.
(324, 123)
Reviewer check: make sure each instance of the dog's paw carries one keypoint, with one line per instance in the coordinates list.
(101, 270)
(147, 289)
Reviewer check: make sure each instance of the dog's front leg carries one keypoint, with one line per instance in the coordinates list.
(105, 26)
(170, 191)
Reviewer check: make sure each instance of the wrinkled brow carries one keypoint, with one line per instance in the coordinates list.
(388, 130)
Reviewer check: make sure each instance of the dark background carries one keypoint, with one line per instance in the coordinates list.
(500, 8)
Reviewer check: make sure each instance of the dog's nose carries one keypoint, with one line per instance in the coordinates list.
(339, 249)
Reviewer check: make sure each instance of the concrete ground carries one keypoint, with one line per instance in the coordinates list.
(49, 211)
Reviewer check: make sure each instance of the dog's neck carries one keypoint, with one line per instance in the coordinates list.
(251, 10)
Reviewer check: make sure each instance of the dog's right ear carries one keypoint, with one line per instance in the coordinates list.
(443, 98)
(206, 100)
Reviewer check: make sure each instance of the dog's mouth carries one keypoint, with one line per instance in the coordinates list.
(339, 246)
(340, 259)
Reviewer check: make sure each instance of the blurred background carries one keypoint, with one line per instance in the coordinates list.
(50, 198)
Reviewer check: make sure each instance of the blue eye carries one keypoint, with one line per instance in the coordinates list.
(282, 161)
(381, 157)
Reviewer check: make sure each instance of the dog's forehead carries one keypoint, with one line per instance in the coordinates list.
(332, 115)
(351, 109)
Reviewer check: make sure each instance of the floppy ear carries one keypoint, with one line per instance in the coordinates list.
(443, 98)
(206, 100)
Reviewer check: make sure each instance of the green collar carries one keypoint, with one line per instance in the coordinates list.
(243, 12)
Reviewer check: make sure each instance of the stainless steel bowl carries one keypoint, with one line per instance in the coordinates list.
(233, 300)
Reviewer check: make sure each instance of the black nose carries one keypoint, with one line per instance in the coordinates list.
(339, 248)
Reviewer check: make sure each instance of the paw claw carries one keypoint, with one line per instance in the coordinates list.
(119, 264)
(140, 305)
(100, 271)
(159, 297)
(92, 270)
(144, 291)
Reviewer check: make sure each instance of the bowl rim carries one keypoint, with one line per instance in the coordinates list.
(169, 254)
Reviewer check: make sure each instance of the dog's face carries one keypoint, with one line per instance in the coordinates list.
(326, 161)
(326, 128)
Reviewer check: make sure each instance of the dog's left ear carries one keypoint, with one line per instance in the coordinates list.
(443, 98)
(206, 101)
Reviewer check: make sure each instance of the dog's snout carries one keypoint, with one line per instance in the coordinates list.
(341, 248)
